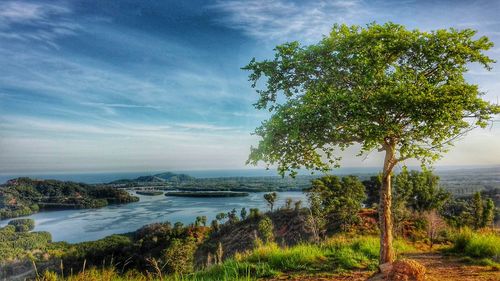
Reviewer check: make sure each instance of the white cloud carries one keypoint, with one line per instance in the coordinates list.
(285, 20)
(38, 21)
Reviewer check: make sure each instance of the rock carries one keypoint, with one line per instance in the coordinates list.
(385, 268)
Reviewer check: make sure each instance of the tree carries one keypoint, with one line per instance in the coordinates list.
(288, 203)
(419, 191)
(266, 229)
(221, 216)
(434, 225)
(200, 220)
(271, 199)
(337, 199)
(488, 213)
(372, 187)
(243, 213)
(383, 87)
(232, 218)
(477, 203)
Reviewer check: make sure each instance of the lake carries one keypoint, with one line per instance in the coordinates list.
(92, 224)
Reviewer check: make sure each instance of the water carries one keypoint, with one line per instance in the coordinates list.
(92, 224)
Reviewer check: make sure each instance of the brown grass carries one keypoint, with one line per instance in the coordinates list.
(407, 270)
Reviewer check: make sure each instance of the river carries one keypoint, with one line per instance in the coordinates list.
(92, 224)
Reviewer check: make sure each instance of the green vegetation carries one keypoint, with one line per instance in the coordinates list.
(271, 199)
(21, 244)
(384, 87)
(206, 194)
(149, 192)
(23, 225)
(167, 177)
(477, 245)
(337, 201)
(336, 254)
(24, 196)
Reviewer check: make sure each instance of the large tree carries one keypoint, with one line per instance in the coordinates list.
(383, 87)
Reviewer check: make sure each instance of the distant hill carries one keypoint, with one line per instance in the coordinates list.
(24, 196)
(162, 177)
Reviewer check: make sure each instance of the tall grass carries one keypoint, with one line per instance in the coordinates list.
(476, 244)
(334, 255)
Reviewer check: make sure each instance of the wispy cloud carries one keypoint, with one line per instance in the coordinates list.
(279, 19)
(32, 21)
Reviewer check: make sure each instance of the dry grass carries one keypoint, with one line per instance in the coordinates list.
(407, 270)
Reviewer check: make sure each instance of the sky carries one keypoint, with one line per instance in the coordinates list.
(96, 85)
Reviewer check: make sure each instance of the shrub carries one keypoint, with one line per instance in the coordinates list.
(23, 225)
(476, 244)
(179, 256)
(266, 229)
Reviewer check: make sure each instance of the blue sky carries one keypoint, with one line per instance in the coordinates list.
(157, 85)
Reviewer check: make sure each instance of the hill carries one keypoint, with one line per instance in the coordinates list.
(157, 178)
(24, 196)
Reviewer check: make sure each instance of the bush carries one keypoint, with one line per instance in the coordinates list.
(266, 229)
(179, 256)
(23, 225)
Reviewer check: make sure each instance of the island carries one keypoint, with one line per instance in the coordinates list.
(149, 192)
(24, 196)
(206, 194)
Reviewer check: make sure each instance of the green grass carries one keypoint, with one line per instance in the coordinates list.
(337, 254)
(478, 245)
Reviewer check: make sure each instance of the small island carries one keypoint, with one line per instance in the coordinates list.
(206, 194)
(149, 192)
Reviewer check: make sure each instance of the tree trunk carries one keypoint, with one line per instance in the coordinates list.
(385, 214)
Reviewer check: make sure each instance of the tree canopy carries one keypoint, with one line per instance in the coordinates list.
(379, 86)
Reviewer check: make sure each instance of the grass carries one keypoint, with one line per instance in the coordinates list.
(479, 245)
(337, 254)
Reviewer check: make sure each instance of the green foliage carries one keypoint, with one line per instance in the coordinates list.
(23, 196)
(336, 254)
(200, 220)
(19, 245)
(23, 225)
(476, 245)
(270, 199)
(372, 187)
(266, 229)
(488, 213)
(232, 217)
(458, 213)
(254, 213)
(179, 256)
(380, 86)
(243, 213)
(477, 204)
(470, 212)
(337, 200)
(420, 191)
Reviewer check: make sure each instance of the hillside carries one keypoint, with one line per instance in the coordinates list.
(24, 196)
(157, 178)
